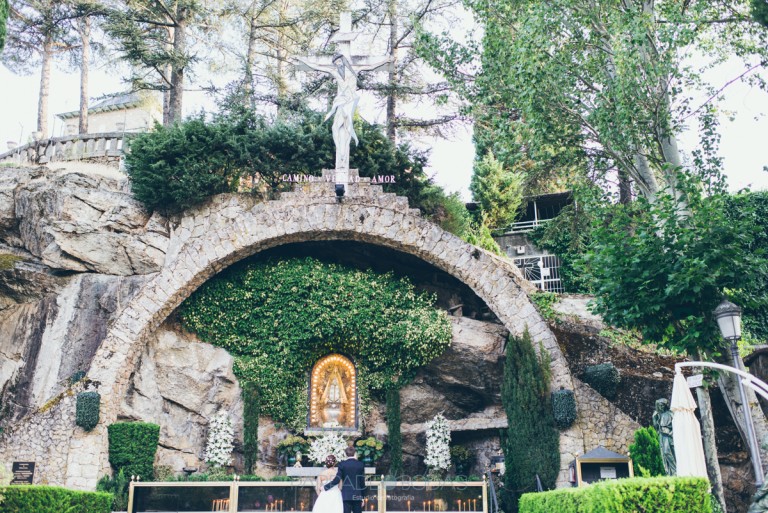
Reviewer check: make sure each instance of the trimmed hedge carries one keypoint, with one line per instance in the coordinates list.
(649, 495)
(87, 410)
(132, 448)
(53, 499)
(564, 408)
(604, 378)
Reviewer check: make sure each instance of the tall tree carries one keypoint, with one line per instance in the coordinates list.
(4, 10)
(600, 87)
(532, 443)
(154, 37)
(268, 34)
(38, 32)
(396, 24)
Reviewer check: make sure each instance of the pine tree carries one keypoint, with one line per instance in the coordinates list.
(646, 453)
(532, 443)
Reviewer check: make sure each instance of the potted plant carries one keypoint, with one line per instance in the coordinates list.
(369, 449)
(462, 459)
(290, 446)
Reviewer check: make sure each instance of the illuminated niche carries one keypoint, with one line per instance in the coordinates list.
(333, 393)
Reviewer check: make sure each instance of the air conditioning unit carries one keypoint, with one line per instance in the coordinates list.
(520, 250)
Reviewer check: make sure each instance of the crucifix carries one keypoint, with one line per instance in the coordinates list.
(343, 67)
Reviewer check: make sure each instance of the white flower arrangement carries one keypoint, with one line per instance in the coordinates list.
(438, 444)
(218, 450)
(329, 443)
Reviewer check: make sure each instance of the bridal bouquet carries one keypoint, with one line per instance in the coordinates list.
(330, 443)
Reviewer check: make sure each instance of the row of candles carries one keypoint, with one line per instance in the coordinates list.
(467, 505)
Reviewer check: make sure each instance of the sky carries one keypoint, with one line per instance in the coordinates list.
(744, 123)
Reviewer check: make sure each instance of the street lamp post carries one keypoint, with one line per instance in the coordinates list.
(728, 318)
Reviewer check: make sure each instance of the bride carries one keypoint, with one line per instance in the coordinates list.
(328, 501)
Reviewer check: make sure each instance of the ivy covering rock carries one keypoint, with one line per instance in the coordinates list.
(277, 318)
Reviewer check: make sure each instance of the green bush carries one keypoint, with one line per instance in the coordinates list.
(531, 443)
(649, 495)
(118, 487)
(132, 447)
(87, 410)
(564, 408)
(646, 453)
(395, 436)
(52, 499)
(604, 378)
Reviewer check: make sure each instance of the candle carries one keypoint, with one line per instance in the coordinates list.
(474, 504)
(424, 505)
(301, 506)
(459, 503)
(409, 505)
(429, 505)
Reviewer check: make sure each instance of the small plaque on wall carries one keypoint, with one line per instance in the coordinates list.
(607, 472)
(23, 472)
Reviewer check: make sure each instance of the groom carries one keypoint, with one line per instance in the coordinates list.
(351, 474)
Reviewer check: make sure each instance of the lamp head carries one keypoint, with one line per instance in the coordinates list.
(728, 317)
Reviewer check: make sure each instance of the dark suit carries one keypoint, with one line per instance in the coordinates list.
(351, 475)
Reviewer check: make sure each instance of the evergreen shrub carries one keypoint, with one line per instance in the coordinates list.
(604, 378)
(132, 448)
(395, 436)
(649, 495)
(531, 443)
(564, 408)
(87, 410)
(52, 499)
(117, 486)
(645, 452)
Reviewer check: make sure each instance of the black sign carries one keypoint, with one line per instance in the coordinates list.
(23, 472)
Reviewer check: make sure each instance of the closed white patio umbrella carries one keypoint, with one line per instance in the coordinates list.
(686, 432)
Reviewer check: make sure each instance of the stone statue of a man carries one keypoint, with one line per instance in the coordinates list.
(662, 422)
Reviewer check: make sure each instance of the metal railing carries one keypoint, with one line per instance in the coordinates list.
(74, 147)
(296, 496)
(527, 226)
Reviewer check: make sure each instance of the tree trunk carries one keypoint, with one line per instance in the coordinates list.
(85, 39)
(45, 88)
(729, 387)
(177, 69)
(250, 56)
(393, 75)
(710, 447)
(625, 187)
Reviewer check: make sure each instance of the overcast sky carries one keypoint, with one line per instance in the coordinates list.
(744, 124)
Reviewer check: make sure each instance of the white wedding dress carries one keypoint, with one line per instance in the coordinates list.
(328, 501)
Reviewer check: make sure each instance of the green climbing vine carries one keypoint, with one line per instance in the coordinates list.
(277, 318)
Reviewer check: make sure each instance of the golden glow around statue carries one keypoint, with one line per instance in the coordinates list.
(333, 393)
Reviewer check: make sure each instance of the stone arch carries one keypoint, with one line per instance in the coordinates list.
(232, 227)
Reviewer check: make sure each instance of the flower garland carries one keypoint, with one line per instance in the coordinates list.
(438, 444)
(330, 443)
(218, 450)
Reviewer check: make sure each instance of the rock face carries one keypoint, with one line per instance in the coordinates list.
(43, 344)
(79, 222)
(180, 384)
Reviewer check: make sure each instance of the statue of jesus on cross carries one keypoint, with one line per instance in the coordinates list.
(343, 67)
